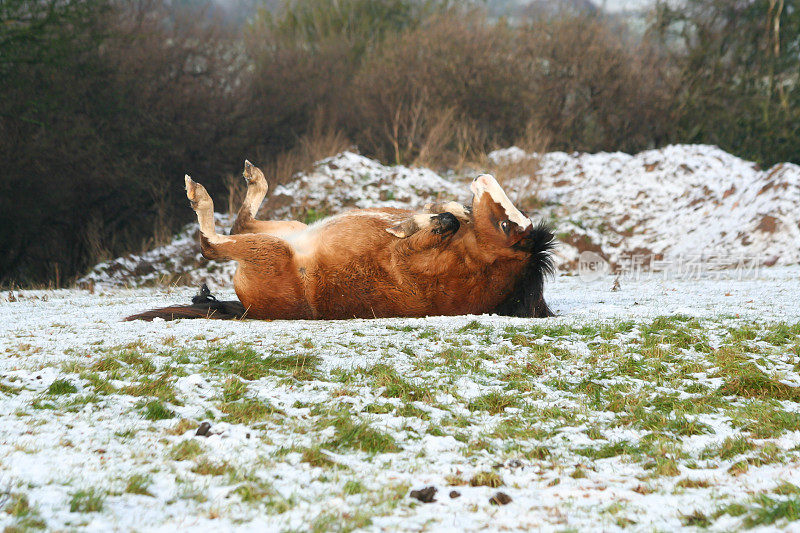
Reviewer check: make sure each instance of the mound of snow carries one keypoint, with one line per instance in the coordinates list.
(350, 180)
(664, 207)
(674, 204)
(177, 263)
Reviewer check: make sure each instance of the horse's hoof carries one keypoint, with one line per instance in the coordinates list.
(196, 193)
(191, 188)
(253, 175)
(248, 171)
(445, 224)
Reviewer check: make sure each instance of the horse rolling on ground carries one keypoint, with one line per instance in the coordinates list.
(365, 263)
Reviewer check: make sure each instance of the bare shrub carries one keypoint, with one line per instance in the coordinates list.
(456, 68)
(594, 88)
(129, 96)
(582, 83)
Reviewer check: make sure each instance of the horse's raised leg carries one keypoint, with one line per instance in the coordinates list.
(429, 219)
(246, 222)
(267, 281)
(246, 247)
(462, 212)
(437, 228)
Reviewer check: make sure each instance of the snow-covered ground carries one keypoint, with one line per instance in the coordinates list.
(605, 417)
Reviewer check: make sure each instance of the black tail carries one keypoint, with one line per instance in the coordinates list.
(204, 305)
(527, 297)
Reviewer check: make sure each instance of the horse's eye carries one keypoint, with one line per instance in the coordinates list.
(504, 225)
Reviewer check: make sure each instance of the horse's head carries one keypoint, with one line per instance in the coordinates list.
(498, 223)
(505, 231)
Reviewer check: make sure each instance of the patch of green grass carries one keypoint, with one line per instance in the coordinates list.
(669, 403)
(137, 484)
(486, 479)
(521, 377)
(764, 419)
(741, 377)
(396, 386)
(781, 334)
(729, 448)
(8, 389)
(247, 411)
(409, 410)
(663, 466)
(127, 359)
(316, 457)
(405, 329)
(183, 425)
(186, 449)
(651, 420)
(41, 403)
(611, 449)
(257, 491)
(732, 509)
(78, 402)
(471, 326)
(379, 408)
(458, 358)
(357, 435)
(344, 522)
(494, 402)
(376, 503)
(353, 487)
(204, 467)
(680, 331)
(687, 483)
(541, 350)
(766, 511)
(26, 517)
(785, 489)
(578, 473)
(89, 500)
(696, 519)
(61, 386)
(233, 389)
(251, 365)
(155, 410)
(161, 387)
(100, 384)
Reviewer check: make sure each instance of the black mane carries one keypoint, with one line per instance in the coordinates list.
(527, 297)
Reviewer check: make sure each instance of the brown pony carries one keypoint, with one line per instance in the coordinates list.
(448, 260)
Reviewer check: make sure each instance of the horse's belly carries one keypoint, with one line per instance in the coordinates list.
(268, 296)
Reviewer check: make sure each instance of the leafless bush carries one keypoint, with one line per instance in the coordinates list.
(592, 88)
(580, 82)
(121, 114)
(454, 69)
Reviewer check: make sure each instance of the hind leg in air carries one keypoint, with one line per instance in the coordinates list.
(248, 247)
(267, 281)
(246, 222)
